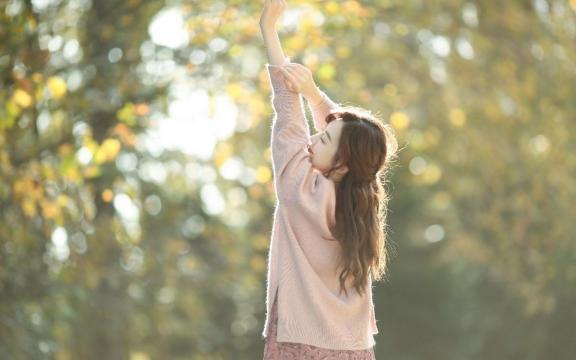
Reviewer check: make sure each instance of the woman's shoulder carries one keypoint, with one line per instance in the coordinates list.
(315, 196)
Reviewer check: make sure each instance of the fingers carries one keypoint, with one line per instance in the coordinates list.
(300, 67)
(286, 73)
(303, 72)
(291, 73)
(289, 80)
(289, 85)
(295, 73)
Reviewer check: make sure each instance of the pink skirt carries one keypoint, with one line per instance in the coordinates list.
(274, 350)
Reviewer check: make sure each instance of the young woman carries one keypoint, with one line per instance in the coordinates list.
(328, 239)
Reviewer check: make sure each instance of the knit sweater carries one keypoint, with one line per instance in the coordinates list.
(302, 260)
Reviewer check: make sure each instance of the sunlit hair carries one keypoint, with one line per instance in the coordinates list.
(367, 146)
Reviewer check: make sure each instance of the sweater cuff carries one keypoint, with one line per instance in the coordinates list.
(276, 76)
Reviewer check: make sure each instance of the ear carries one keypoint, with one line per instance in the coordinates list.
(342, 170)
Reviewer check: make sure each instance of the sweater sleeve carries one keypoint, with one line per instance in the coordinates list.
(321, 110)
(290, 135)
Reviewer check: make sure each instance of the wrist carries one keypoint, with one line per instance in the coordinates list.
(267, 25)
(315, 97)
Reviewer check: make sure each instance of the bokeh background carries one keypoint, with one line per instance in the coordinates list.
(136, 197)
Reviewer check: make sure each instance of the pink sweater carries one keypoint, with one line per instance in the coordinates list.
(301, 264)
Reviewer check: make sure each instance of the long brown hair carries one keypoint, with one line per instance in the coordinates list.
(367, 146)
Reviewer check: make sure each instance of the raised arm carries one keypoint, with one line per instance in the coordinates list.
(273, 9)
(289, 128)
(320, 106)
(290, 133)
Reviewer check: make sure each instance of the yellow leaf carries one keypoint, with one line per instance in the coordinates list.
(107, 151)
(28, 207)
(263, 174)
(49, 209)
(306, 24)
(457, 117)
(139, 356)
(432, 174)
(127, 114)
(142, 109)
(72, 173)
(22, 98)
(255, 191)
(343, 51)
(39, 92)
(91, 144)
(107, 195)
(63, 200)
(399, 120)
(12, 110)
(235, 51)
(352, 7)
(57, 87)
(21, 186)
(125, 135)
(37, 77)
(6, 123)
(295, 44)
(326, 71)
(48, 172)
(268, 154)
(222, 153)
(92, 171)
(65, 149)
(234, 90)
(37, 191)
(332, 8)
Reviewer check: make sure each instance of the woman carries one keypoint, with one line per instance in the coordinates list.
(327, 237)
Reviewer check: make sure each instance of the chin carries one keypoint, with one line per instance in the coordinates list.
(316, 169)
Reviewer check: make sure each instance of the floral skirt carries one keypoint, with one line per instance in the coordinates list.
(274, 350)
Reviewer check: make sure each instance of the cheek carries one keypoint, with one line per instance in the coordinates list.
(326, 154)
(330, 151)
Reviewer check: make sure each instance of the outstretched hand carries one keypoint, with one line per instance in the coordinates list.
(273, 9)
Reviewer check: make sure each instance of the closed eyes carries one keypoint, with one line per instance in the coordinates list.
(329, 137)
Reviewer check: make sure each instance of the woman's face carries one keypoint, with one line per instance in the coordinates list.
(324, 144)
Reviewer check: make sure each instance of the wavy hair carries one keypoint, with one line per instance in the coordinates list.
(367, 147)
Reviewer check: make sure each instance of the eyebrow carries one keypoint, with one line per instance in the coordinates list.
(329, 137)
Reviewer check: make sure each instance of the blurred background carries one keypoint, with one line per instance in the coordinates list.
(136, 197)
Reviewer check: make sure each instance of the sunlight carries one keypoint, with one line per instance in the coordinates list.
(190, 128)
(60, 247)
(129, 213)
(169, 29)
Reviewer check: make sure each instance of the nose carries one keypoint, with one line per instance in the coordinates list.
(311, 145)
(314, 139)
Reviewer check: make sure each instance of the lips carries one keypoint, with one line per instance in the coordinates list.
(309, 148)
